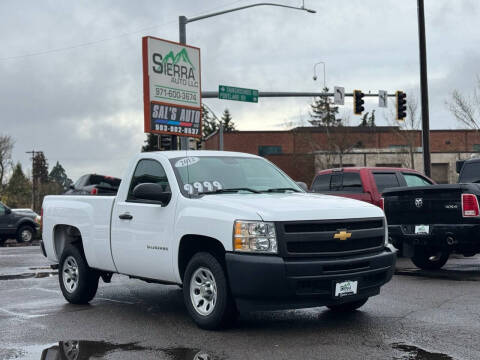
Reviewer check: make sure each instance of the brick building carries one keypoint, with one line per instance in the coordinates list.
(302, 151)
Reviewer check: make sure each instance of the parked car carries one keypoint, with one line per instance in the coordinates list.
(230, 228)
(94, 184)
(21, 224)
(431, 222)
(366, 183)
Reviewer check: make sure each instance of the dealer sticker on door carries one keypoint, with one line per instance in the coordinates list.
(346, 288)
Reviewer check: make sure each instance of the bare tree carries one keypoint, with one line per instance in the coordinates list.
(466, 109)
(6, 147)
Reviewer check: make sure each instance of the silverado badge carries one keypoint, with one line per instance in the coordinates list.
(342, 235)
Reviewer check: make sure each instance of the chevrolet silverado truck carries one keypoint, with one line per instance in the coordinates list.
(431, 222)
(233, 230)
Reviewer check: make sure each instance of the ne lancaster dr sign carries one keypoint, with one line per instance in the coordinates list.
(172, 87)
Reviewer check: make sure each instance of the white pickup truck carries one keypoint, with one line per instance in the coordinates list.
(232, 229)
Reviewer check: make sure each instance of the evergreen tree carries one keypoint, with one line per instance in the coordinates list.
(40, 168)
(228, 124)
(371, 120)
(368, 121)
(40, 180)
(364, 122)
(18, 192)
(58, 175)
(151, 143)
(324, 112)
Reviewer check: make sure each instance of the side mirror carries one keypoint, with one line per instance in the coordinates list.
(153, 193)
(8, 211)
(302, 185)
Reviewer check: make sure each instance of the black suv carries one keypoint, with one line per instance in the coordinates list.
(21, 224)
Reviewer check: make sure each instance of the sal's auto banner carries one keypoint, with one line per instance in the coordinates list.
(171, 88)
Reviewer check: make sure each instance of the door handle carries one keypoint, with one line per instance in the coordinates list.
(125, 216)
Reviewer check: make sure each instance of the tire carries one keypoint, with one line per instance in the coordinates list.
(348, 306)
(427, 259)
(25, 234)
(2, 240)
(206, 293)
(78, 281)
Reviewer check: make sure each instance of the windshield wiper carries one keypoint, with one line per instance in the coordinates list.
(231, 190)
(281, 189)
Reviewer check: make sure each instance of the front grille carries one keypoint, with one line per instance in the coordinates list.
(317, 238)
(308, 227)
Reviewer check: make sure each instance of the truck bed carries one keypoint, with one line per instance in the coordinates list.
(80, 211)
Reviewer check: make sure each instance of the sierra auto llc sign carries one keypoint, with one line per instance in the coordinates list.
(171, 88)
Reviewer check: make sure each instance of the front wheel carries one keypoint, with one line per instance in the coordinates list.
(427, 259)
(206, 293)
(25, 234)
(78, 281)
(348, 306)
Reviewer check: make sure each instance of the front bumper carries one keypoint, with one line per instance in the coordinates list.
(267, 282)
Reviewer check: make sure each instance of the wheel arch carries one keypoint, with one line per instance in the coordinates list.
(64, 235)
(191, 244)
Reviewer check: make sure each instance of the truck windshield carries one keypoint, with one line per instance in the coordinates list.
(226, 174)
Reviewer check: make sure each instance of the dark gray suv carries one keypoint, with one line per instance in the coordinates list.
(20, 224)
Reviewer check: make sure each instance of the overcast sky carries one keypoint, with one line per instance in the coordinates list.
(71, 71)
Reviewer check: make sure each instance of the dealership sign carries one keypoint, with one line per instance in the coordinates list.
(171, 88)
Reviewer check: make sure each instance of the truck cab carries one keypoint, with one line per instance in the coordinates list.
(366, 183)
(230, 228)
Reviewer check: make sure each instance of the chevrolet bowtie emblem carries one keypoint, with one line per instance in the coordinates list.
(342, 235)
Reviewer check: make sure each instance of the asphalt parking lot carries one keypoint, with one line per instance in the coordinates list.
(419, 315)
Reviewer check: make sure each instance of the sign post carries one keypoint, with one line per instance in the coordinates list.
(171, 88)
(237, 94)
(382, 98)
(339, 95)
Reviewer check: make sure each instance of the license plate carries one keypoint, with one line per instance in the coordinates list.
(346, 288)
(422, 229)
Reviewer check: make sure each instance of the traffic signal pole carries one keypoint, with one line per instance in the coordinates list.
(424, 89)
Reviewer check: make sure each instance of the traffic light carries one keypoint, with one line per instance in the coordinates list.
(401, 105)
(166, 142)
(358, 102)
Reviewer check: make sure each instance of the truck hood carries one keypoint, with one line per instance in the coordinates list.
(295, 206)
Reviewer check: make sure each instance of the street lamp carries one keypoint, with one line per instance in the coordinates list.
(183, 21)
(315, 73)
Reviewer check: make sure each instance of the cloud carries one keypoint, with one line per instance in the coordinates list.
(83, 106)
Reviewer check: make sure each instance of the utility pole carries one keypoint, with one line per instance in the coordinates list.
(33, 152)
(424, 88)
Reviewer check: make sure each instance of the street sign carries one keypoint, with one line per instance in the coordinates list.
(382, 98)
(237, 94)
(171, 88)
(339, 95)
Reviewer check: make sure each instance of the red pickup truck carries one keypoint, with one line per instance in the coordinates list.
(366, 183)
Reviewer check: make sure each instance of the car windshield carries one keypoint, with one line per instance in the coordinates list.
(227, 174)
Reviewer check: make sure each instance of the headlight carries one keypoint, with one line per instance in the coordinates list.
(254, 237)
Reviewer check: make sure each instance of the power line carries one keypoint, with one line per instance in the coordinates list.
(95, 42)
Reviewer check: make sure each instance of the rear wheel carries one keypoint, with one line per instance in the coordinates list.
(78, 281)
(25, 234)
(206, 293)
(348, 306)
(428, 259)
